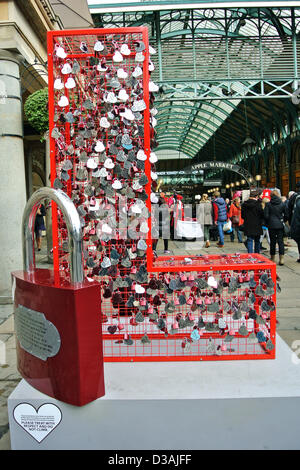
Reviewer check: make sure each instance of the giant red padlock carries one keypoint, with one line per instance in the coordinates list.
(57, 320)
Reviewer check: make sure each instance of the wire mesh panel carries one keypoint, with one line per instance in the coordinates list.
(102, 120)
(205, 308)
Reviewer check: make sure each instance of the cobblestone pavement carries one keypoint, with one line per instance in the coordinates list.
(288, 315)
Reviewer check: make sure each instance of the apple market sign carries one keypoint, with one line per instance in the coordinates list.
(213, 165)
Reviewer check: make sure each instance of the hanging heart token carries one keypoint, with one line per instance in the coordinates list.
(124, 50)
(58, 84)
(91, 163)
(63, 101)
(112, 329)
(145, 339)
(117, 57)
(106, 263)
(60, 52)
(66, 69)
(117, 184)
(142, 245)
(67, 165)
(55, 134)
(139, 289)
(121, 73)
(98, 46)
(243, 330)
(128, 341)
(195, 336)
(211, 281)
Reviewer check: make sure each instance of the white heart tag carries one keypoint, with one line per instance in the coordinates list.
(121, 73)
(125, 49)
(139, 289)
(123, 95)
(38, 423)
(91, 163)
(211, 281)
(153, 157)
(141, 155)
(99, 146)
(70, 83)
(66, 69)
(117, 184)
(98, 47)
(58, 84)
(109, 163)
(117, 57)
(60, 52)
(63, 102)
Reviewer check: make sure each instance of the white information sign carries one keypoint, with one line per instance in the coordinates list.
(38, 423)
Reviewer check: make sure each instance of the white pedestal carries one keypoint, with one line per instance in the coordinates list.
(178, 405)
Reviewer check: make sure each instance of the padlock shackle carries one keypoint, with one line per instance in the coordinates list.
(72, 220)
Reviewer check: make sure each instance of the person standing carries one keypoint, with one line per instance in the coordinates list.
(39, 225)
(236, 219)
(291, 203)
(275, 215)
(220, 216)
(206, 217)
(295, 219)
(252, 213)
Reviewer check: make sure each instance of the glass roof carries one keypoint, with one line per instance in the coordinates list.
(217, 52)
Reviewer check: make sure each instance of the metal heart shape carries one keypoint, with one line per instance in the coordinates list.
(67, 165)
(243, 330)
(142, 245)
(106, 263)
(138, 106)
(145, 339)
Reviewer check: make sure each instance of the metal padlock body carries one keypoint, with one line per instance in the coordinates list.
(58, 326)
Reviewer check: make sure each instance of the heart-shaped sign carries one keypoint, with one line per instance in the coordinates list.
(38, 423)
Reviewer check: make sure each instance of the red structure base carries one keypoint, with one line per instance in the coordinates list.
(75, 373)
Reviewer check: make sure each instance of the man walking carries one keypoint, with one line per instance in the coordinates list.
(220, 216)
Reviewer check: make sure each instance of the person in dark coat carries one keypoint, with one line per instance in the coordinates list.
(253, 215)
(220, 216)
(295, 219)
(291, 202)
(275, 215)
(39, 225)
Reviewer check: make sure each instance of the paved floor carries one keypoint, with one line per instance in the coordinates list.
(288, 316)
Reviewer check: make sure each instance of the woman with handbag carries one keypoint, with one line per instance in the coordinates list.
(236, 219)
(275, 216)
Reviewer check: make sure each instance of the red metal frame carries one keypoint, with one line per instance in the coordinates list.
(117, 316)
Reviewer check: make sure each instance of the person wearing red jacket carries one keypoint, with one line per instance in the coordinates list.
(235, 216)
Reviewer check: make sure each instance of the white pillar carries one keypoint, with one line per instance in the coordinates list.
(12, 170)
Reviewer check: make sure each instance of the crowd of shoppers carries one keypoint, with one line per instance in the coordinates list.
(264, 215)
